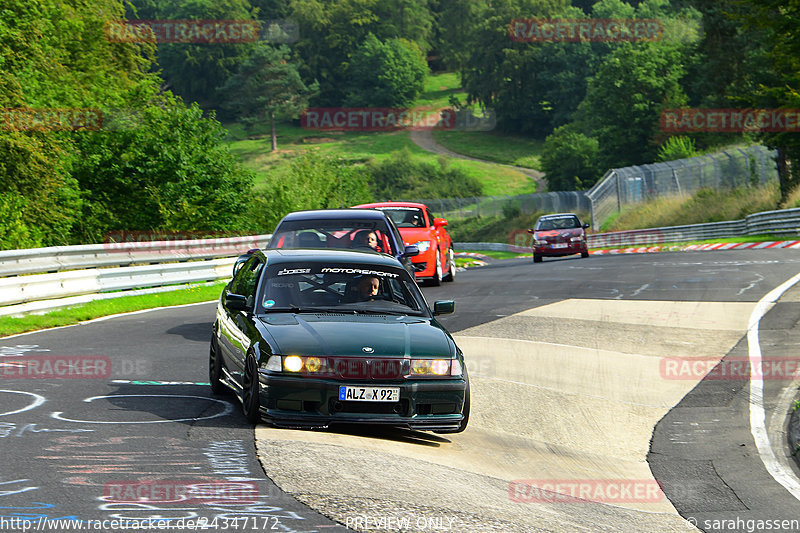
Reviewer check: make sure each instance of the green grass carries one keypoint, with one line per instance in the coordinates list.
(493, 254)
(493, 146)
(253, 147)
(98, 308)
(438, 90)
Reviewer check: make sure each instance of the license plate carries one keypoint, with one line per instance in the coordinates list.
(369, 394)
(560, 245)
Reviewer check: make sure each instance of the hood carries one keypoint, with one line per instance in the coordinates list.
(342, 335)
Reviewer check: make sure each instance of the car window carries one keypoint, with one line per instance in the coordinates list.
(406, 217)
(569, 222)
(245, 281)
(340, 288)
(342, 234)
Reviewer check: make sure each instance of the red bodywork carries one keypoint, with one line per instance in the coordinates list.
(559, 241)
(424, 228)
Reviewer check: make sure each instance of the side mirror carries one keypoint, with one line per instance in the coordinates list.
(236, 302)
(585, 226)
(411, 251)
(531, 231)
(443, 307)
(439, 222)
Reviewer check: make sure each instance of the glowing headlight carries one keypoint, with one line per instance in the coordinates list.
(293, 363)
(575, 239)
(313, 364)
(430, 367)
(423, 245)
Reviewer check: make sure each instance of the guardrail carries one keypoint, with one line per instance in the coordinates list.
(783, 221)
(53, 276)
(58, 258)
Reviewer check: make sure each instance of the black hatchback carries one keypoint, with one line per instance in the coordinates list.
(353, 229)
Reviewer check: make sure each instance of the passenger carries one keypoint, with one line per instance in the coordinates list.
(366, 239)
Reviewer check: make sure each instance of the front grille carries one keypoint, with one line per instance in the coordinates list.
(381, 368)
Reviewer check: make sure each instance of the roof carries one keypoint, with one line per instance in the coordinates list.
(558, 215)
(340, 214)
(391, 204)
(317, 255)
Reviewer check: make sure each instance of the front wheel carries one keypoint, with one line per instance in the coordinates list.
(537, 258)
(250, 400)
(584, 254)
(451, 273)
(215, 366)
(437, 276)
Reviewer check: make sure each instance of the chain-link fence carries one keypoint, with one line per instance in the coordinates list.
(487, 206)
(741, 167)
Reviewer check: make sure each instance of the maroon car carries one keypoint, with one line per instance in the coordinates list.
(559, 234)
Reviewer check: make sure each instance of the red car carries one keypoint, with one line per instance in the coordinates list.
(436, 259)
(557, 235)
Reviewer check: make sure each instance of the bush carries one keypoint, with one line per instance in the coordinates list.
(569, 160)
(399, 176)
(390, 74)
(677, 147)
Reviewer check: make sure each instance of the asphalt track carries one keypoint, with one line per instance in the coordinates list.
(567, 361)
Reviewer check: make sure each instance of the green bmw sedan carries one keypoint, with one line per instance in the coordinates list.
(308, 338)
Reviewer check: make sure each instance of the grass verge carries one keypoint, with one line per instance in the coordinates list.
(112, 306)
(493, 146)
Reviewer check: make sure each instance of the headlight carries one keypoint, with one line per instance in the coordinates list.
(539, 242)
(430, 367)
(576, 239)
(293, 363)
(423, 245)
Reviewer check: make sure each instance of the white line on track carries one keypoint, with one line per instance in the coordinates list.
(758, 427)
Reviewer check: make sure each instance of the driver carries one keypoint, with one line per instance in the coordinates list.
(367, 288)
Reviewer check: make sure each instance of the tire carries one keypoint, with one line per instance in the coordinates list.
(537, 258)
(451, 273)
(584, 254)
(250, 400)
(437, 276)
(215, 366)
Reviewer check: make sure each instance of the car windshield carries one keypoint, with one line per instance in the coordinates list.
(558, 223)
(348, 234)
(405, 217)
(350, 288)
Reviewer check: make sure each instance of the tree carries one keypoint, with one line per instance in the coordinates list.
(625, 98)
(779, 86)
(267, 86)
(676, 147)
(569, 160)
(166, 169)
(194, 71)
(390, 74)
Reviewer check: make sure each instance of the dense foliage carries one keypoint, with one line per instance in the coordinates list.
(159, 162)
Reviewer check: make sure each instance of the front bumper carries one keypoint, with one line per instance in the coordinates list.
(571, 248)
(301, 402)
